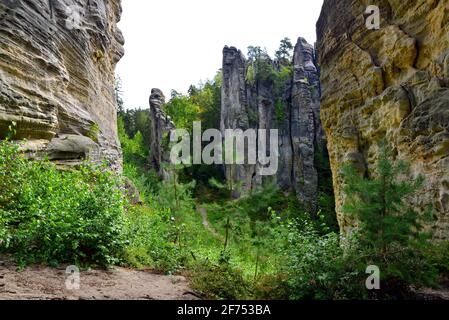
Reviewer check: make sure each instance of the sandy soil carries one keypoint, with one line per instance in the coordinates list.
(43, 283)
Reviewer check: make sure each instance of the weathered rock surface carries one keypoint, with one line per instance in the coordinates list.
(160, 127)
(57, 61)
(393, 83)
(294, 112)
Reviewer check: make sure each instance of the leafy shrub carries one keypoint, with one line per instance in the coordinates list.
(319, 268)
(53, 216)
(219, 281)
(438, 257)
(153, 240)
(272, 287)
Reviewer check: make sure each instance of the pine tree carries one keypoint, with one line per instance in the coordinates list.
(119, 95)
(284, 53)
(387, 222)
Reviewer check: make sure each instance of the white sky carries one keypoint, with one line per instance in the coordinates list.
(171, 44)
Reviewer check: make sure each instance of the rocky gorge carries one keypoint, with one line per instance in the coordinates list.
(355, 87)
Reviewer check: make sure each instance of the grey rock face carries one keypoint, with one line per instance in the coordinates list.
(235, 111)
(254, 105)
(57, 61)
(160, 127)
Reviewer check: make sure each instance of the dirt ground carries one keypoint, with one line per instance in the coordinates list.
(43, 283)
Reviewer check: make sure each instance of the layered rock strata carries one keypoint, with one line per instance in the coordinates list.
(57, 61)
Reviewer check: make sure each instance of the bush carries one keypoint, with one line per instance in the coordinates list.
(153, 240)
(272, 287)
(438, 257)
(319, 268)
(219, 281)
(53, 216)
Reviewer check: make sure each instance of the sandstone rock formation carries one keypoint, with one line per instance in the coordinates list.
(57, 61)
(160, 127)
(293, 110)
(392, 82)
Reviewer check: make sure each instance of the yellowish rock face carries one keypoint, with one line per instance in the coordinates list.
(57, 61)
(393, 83)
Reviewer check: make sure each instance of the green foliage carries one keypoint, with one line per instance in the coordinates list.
(380, 205)
(279, 110)
(389, 227)
(118, 92)
(318, 267)
(219, 281)
(284, 53)
(153, 240)
(208, 97)
(135, 150)
(326, 199)
(93, 133)
(134, 121)
(284, 75)
(54, 216)
(262, 69)
(250, 75)
(437, 256)
(182, 111)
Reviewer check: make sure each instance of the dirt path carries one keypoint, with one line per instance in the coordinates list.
(42, 283)
(206, 223)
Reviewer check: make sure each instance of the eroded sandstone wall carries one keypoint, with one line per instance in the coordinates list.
(392, 82)
(57, 61)
(294, 112)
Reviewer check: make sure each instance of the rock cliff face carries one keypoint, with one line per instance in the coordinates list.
(57, 61)
(392, 82)
(293, 109)
(160, 128)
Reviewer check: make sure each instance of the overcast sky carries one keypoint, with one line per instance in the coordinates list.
(171, 44)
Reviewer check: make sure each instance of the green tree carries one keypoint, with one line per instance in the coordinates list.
(284, 53)
(182, 111)
(118, 91)
(390, 230)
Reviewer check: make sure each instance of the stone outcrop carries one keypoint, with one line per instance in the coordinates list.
(160, 127)
(57, 61)
(293, 109)
(388, 83)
